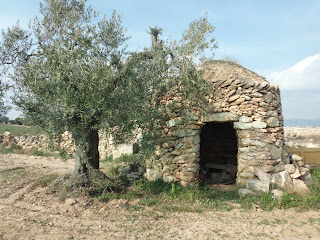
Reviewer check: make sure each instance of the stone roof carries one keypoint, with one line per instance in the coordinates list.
(219, 70)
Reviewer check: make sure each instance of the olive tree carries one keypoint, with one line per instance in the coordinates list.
(73, 72)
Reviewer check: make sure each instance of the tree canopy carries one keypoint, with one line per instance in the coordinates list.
(72, 71)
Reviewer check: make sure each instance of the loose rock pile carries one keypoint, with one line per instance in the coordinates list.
(305, 137)
(132, 172)
(295, 177)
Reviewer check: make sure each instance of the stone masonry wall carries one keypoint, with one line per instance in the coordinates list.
(254, 107)
(40, 142)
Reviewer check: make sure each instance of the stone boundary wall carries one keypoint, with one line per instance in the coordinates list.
(40, 142)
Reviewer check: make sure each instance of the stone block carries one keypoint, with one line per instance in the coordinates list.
(275, 152)
(186, 158)
(185, 133)
(242, 126)
(304, 170)
(222, 117)
(259, 124)
(196, 148)
(290, 168)
(296, 158)
(247, 149)
(153, 174)
(196, 139)
(279, 167)
(277, 194)
(186, 176)
(245, 119)
(190, 168)
(233, 98)
(246, 175)
(252, 142)
(266, 168)
(173, 122)
(256, 185)
(239, 101)
(169, 178)
(214, 108)
(245, 192)
(263, 176)
(273, 122)
(307, 179)
(282, 180)
(300, 187)
(296, 174)
(268, 97)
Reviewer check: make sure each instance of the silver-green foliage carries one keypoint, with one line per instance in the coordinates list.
(71, 70)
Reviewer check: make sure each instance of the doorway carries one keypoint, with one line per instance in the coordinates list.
(218, 153)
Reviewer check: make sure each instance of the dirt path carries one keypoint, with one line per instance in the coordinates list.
(28, 211)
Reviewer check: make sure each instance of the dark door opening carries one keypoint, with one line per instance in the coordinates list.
(218, 153)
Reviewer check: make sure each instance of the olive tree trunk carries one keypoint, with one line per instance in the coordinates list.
(87, 154)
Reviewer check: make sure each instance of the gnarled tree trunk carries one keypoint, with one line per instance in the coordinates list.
(87, 154)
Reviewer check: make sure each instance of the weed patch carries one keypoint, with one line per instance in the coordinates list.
(163, 196)
(13, 174)
(19, 150)
(46, 180)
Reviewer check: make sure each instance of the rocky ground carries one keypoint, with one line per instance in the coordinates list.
(29, 211)
(306, 137)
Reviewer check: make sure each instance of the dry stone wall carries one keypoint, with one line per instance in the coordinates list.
(251, 104)
(40, 142)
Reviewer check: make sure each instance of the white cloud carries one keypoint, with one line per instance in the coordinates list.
(300, 88)
(302, 76)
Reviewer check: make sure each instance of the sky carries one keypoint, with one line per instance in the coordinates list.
(277, 39)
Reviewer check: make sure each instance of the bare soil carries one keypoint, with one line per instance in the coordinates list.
(29, 211)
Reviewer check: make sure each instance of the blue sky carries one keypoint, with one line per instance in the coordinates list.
(268, 37)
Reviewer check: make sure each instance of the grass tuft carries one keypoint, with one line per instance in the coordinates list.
(19, 130)
(46, 180)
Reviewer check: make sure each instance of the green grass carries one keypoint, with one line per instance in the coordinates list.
(46, 180)
(19, 150)
(19, 130)
(164, 196)
(127, 158)
(13, 174)
(173, 197)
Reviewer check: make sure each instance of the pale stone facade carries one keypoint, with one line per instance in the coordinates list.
(241, 133)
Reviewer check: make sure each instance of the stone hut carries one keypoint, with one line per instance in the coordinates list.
(241, 134)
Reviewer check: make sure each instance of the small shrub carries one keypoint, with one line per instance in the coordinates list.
(11, 149)
(315, 172)
(108, 159)
(267, 202)
(130, 158)
(40, 153)
(46, 180)
(64, 155)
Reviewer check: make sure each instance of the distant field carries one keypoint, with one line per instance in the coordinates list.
(18, 130)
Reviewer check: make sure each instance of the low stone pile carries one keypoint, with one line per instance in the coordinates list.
(132, 172)
(7, 140)
(294, 177)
